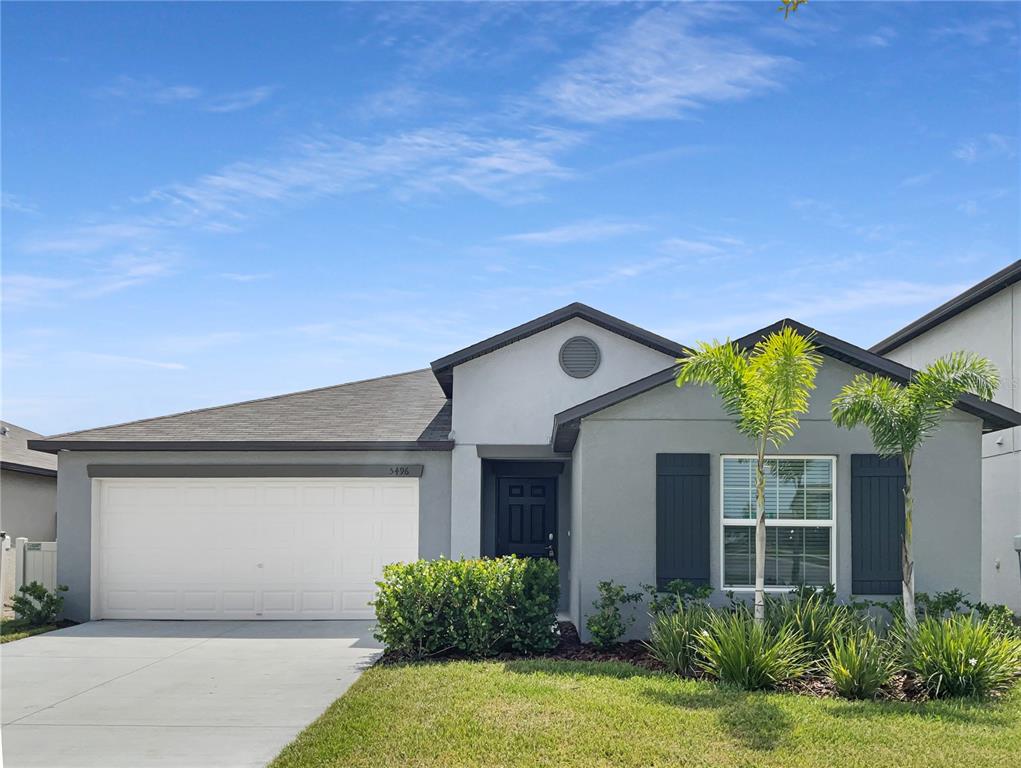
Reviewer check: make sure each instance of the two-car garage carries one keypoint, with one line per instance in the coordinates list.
(247, 547)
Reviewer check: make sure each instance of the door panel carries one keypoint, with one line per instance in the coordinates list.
(526, 516)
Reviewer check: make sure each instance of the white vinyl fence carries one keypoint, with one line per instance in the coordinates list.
(25, 562)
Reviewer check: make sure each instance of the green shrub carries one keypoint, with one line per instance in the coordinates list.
(1001, 618)
(676, 594)
(939, 604)
(607, 624)
(859, 664)
(34, 605)
(963, 655)
(737, 651)
(673, 636)
(815, 617)
(476, 607)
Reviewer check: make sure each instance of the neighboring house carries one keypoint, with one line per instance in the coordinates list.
(985, 319)
(28, 486)
(562, 437)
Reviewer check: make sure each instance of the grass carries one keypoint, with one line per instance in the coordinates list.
(560, 713)
(14, 630)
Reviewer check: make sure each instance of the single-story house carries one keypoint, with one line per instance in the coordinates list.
(28, 486)
(564, 437)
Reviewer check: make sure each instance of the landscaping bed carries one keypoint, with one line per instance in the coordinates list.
(16, 630)
(902, 687)
(569, 648)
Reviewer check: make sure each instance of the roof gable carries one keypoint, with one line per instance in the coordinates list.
(974, 295)
(567, 424)
(443, 368)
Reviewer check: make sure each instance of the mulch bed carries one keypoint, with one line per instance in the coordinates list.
(903, 686)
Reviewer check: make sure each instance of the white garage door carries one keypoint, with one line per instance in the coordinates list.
(248, 548)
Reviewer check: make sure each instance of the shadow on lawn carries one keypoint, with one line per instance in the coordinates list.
(963, 711)
(751, 720)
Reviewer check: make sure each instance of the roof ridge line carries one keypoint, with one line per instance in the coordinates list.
(240, 402)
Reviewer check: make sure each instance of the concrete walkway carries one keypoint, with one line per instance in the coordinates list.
(172, 693)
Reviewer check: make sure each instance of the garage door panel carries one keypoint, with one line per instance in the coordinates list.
(208, 548)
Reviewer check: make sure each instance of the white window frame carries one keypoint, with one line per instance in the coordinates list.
(780, 523)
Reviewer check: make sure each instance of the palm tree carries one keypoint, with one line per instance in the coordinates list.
(765, 390)
(900, 417)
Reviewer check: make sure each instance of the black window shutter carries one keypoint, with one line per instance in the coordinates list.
(877, 524)
(682, 517)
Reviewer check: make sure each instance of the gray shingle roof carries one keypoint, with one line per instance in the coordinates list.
(405, 408)
(15, 453)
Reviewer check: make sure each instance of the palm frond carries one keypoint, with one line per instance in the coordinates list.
(783, 365)
(878, 404)
(721, 365)
(900, 417)
(937, 387)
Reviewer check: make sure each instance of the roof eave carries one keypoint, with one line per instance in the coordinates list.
(567, 423)
(28, 469)
(974, 295)
(53, 446)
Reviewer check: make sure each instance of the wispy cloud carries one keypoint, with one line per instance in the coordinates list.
(918, 180)
(136, 361)
(832, 216)
(16, 204)
(868, 295)
(660, 67)
(149, 90)
(22, 290)
(152, 91)
(969, 208)
(90, 238)
(621, 272)
(989, 146)
(498, 166)
(980, 32)
(680, 245)
(428, 161)
(102, 277)
(579, 232)
(245, 277)
(186, 344)
(235, 102)
(878, 38)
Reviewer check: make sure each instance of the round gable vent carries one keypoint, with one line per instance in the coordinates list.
(579, 357)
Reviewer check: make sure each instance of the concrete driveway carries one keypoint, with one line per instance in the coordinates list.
(173, 693)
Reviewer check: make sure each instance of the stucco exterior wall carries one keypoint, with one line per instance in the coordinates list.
(28, 505)
(615, 486)
(991, 328)
(74, 500)
(509, 397)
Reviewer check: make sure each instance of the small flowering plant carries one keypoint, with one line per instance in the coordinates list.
(962, 655)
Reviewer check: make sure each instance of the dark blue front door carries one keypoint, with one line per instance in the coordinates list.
(526, 516)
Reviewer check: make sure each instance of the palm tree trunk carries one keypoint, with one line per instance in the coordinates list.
(760, 535)
(907, 563)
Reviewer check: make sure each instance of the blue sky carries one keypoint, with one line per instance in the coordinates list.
(208, 203)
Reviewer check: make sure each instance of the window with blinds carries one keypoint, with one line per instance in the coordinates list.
(799, 502)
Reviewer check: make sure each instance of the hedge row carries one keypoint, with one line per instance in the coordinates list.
(476, 607)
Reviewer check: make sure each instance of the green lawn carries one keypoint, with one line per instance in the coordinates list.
(12, 630)
(558, 713)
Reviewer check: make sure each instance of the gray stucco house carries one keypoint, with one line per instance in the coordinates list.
(28, 486)
(563, 437)
(985, 319)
